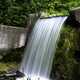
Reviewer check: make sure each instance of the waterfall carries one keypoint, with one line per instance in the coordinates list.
(39, 53)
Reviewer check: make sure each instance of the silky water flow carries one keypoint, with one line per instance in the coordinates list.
(40, 50)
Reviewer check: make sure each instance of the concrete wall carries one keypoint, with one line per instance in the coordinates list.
(12, 37)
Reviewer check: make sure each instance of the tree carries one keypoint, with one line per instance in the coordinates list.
(15, 12)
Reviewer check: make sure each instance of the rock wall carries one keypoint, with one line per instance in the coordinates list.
(77, 14)
(74, 18)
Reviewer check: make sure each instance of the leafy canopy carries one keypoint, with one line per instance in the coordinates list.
(15, 12)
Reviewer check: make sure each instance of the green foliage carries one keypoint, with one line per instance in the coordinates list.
(64, 62)
(15, 12)
(13, 55)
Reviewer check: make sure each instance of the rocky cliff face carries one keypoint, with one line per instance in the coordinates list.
(76, 13)
(74, 18)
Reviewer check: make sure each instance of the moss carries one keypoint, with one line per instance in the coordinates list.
(7, 66)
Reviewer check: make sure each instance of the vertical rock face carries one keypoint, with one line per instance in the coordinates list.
(77, 14)
(74, 18)
(12, 37)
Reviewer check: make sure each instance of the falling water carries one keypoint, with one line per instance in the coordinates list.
(40, 50)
